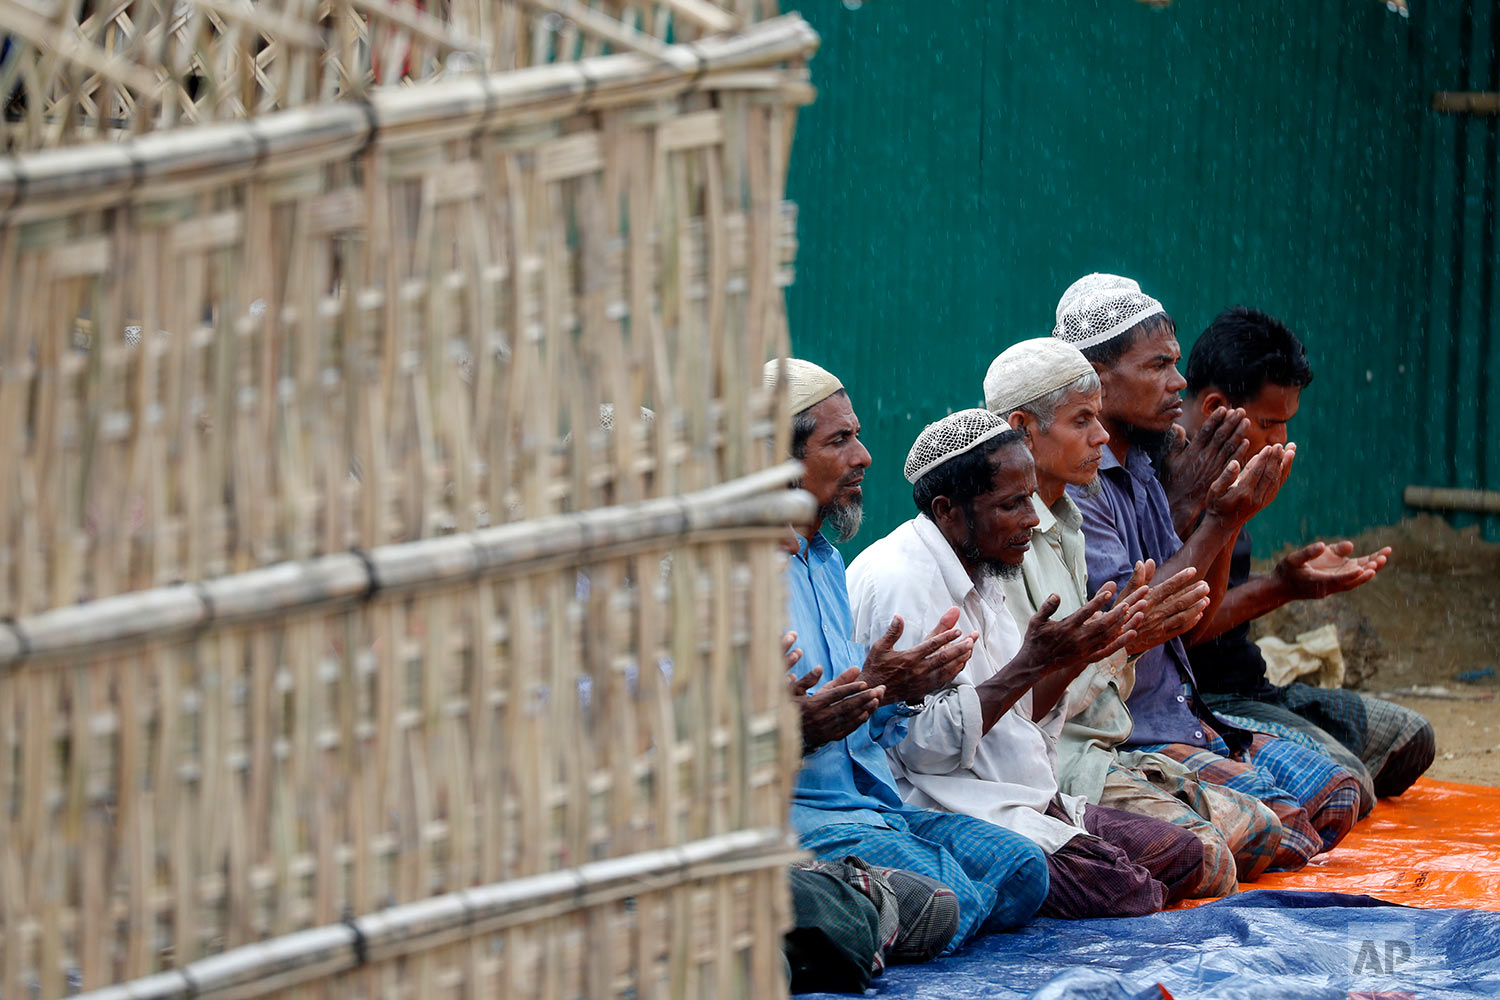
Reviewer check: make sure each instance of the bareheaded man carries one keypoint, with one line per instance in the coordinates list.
(1250, 361)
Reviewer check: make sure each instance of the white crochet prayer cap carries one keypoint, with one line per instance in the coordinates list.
(1102, 310)
(1030, 370)
(952, 436)
(1091, 283)
(807, 384)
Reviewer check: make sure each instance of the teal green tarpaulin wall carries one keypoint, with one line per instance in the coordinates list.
(965, 161)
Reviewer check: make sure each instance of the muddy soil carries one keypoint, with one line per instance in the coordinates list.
(1425, 633)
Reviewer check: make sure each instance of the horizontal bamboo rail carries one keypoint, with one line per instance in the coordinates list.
(494, 553)
(438, 111)
(355, 324)
(190, 770)
(78, 70)
(401, 931)
(1441, 498)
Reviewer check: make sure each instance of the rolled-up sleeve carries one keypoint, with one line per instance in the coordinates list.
(945, 735)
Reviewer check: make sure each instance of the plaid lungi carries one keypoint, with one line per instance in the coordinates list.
(1393, 742)
(1273, 720)
(1128, 866)
(999, 876)
(1240, 834)
(1315, 799)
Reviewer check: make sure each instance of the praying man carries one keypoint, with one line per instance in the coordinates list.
(982, 746)
(1249, 363)
(1131, 343)
(1050, 394)
(846, 800)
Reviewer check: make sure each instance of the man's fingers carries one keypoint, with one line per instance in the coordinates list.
(892, 633)
(1101, 597)
(831, 693)
(803, 684)
(948, 619)
(1047, 610)
(1224, 481)
(788, 641)
(791, 658)
(1305, 555)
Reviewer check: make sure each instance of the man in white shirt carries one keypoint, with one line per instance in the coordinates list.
(982, 746)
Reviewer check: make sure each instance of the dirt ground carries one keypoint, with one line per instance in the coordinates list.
(1426, 634)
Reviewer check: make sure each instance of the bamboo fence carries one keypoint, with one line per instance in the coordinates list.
(345, 650)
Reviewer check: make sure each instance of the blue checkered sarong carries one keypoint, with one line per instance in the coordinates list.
(999, 876)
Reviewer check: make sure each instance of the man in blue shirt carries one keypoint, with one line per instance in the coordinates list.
(1131, 342)
(846, 800)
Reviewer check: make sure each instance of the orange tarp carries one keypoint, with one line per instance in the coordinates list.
(1438, 845)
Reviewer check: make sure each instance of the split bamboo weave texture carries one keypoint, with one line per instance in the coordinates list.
(392, 505)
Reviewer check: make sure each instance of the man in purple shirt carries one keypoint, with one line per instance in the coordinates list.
(1131, 342)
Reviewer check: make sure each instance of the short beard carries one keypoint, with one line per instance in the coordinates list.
(988, 568)
(844, 518)
(1155, 444)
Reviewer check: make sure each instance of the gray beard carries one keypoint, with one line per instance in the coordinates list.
(988, 568)
(843, 518)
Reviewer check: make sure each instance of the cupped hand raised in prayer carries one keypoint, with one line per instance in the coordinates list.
(1190, 467)
(1088, 635)
(928, 666)
(1239, 494)
(1320, 569)
(838, 708)
(1167, 609)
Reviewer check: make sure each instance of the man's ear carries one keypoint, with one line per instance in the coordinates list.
(946, 514)
(1211, 399)
(1020, 420)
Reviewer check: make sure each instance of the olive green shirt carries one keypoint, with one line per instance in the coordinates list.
(1096, 717)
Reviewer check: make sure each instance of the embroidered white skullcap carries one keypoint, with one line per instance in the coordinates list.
(806, 384)
(952, 436)
(1030, 370)
(1102, 309)
(1091, 283)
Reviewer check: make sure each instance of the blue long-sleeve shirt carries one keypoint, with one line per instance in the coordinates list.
(849, 780)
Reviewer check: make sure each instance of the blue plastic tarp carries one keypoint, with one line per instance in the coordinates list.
(1262, 945)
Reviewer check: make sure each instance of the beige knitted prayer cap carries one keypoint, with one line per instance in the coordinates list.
(1030, 370)
(807, 384)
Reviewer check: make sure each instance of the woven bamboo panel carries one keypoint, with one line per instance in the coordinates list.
(79, 69)
(230, 346)
(189, 770)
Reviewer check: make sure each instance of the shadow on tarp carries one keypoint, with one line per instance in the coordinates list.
(1438, 845)
(1266, 945)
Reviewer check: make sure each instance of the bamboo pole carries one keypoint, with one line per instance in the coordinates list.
(490, 553)
(32, 183)
(408, 929)
(1440, 498)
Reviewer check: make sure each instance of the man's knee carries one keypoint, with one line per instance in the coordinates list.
(1407, 762)
(1019, 892)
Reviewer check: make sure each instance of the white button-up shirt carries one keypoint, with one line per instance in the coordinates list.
(1007, 775)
